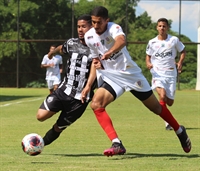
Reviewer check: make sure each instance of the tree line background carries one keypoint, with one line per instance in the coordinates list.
(43, 23)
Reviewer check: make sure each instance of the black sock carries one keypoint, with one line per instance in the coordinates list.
(50, 136)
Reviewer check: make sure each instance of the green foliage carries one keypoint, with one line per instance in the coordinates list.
(53, 20)
(188, 85)
(37, 84)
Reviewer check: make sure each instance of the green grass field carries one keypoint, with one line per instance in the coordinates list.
(80, 147)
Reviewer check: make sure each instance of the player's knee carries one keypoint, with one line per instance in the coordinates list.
(170, 102)
(39, 117)
(95, 105)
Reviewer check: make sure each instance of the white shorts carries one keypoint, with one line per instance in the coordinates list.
(55, 80)
(122, 81)
(168, 83)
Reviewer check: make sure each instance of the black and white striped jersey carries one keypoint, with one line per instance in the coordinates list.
(77, 67)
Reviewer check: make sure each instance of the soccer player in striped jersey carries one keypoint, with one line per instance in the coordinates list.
(67, 98)
(160, 60)
(116, 73)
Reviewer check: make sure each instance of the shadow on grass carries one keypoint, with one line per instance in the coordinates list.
(132, 155)
(79, 155)
(170, 156)
(4, 98)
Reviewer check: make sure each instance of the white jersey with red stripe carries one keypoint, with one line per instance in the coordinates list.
(163, 54)
(119, 68)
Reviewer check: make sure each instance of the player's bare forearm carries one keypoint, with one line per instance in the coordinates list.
(182, 57)
(57, 51)
(148, 62)
(90, 81)
(180, 62)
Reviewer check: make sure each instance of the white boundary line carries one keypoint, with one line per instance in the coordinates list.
(8, 104)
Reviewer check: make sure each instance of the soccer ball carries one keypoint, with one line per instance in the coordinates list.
(32, 144)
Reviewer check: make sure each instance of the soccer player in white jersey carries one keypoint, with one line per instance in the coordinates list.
(160, 59)
(53, 69)
(117, 73)
(66, 99)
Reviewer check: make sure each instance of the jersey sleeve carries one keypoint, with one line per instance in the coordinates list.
(116, 30)
(179, 45)
(93, 51)
(148, 49)
(65, 47)
(44, 60)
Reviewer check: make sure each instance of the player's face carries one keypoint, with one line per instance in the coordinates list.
(162, 28)
(99, 24)
(82, 27)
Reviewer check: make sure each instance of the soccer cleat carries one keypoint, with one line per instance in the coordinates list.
(115, 149)
(168, 127)
(185, 140)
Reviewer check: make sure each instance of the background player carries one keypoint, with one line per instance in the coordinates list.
(160, 59)
(117, 73)
(67, 97)
(53, 69)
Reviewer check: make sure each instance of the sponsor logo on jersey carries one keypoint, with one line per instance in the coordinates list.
(115, 55)
(89, 37)
(163, 54)
(102, 41)
(108, 40)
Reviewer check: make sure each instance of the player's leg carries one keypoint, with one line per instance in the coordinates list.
(56, 82)
(165, 89)
(73, 109)
(50, 86)
(48, 108)
(102, 97)
(150, 101)
(163, 101)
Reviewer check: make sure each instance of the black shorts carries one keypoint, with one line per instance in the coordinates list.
(71, 109)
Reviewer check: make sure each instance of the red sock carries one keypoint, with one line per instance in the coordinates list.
(106, 123)
(167, 116)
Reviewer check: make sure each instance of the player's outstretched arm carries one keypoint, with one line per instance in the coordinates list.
(57, 51)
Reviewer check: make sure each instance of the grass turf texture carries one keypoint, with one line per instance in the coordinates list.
(80, 147)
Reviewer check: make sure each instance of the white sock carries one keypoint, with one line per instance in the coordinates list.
(179, 131)
(166, 124)
(116, 140)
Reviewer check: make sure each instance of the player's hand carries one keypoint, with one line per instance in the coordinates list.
(179, 67)
(51, 65)
(97, 63)
(149, 65)
(84, 93)
(106, 55)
